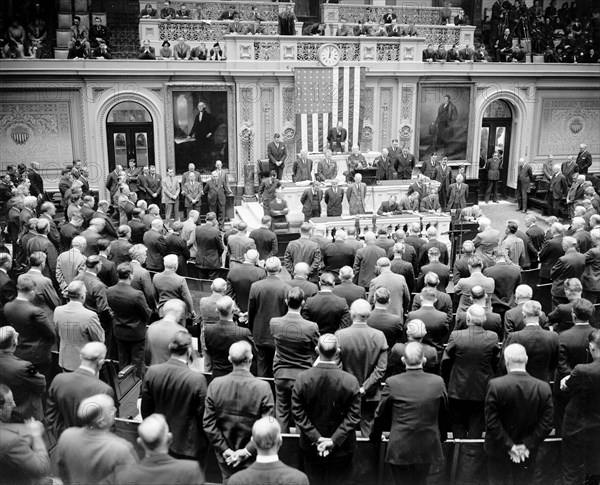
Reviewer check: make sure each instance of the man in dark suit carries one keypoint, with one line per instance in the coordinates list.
(512, 438)
(402, 267)
(551, 251)
(329, 311)
(337, 254)
(405, 164)
(535, 233)
(336, 138)
(8, 289)
(151, 185)
(240, 278)
(266, 436)
(493, 321)
(524, 180)
(177, 392)
(265, 239)
(561, 318)
(347, 289)
(228, 420)
(26, 383)
(302, 168)
(47, 212)
(436, 321)
(381, 319)
(506, 276)
(541, 345)
(131, 314)
(389, 207)
(303, 250)
(326, 408)
(366, 260)
(459, 191)
(266, 301)
(71, 229)
(414, 407)
(215, 191)
(300, 280)
(36, 332)
(584, 159)
(436, 267)
(220, 336)
(294, 352)
(581, 445)
(311, 201)
(157, 466)
(572, 350)
(557, 191)
(70, 388)
(363, 354)
(209, 247)
(277, 155)
(571, 265)
(333, 198)
(155, 241)
(112, 181)
(467, 382)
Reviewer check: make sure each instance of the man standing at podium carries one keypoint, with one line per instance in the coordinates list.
(303, 167)
(277, 155)
(327, 168)
(311, 202)
(337, 137)
(356, 195)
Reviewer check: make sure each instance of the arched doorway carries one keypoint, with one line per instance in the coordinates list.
(130, 135)
(495, 136)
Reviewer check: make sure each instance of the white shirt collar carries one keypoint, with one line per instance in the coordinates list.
(267, 459)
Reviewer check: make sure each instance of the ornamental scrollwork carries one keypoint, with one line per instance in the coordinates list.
(212, 10)
(266, 51)
(388, 52)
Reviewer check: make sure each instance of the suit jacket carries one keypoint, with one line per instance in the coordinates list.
(138, 229)
(470, 360)
(277, 472)
(335, 138)
(276, 154)
(549, 255)
(582, 414)
(350, 292)
(112, 183)
(386, 206)
(436, 323)
(440, 269)
(215, 192)
(169, 285)
(388, 323)
(571, 265)
(336, 255)
(170, 189)
(158, 338)
(584, 161)
(266, 242)
(45, 297)
(558, 187)
(430, 203)
(542, 350)
(158, 470)
(406, 269)
(95, 299)
(75, 327)
(364, 355)
(108, 273)
(385, 168)
(177, 392)
(329, 311)
(26, 383)
(513, 319)
(157, 250)
(584, 240)
(43, 244)
(302, 170)
(36, 332)
(458, 196)
(433, 243)
(572, 350)
(306, 251)
(404, 165)
(66, 393)
(266, 301)
(218, 338)
(505, 427)
(209, 247)
(69, 265)
(240, 279)
(326, 171)
(464, 285)
(537, 236)
(228, 420)
(192, 192)
(151, 184)
(506, 277)
(591, 275)
(201, 129)
(493, 322)
(311, 202)
(313, 397)
(334, 202)
(295, 341)
(308, 287)
(130, 311)
(415, 404)
(396, 285)
(365, 262)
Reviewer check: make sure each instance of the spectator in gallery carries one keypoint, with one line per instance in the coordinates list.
(410, 32)
(181, 51)
(98, 33)
(452, 55)
(344, 31)
(467, 54)
(287, 21)
(183, 13)
(101, 52)
(146, 51)
(216, 53)
(149, 12)
(429, 54)
(314, 29)
(229, 14)
(78, 51)
(200, 52)
(79, 33)
(167, 12)
(165, 50)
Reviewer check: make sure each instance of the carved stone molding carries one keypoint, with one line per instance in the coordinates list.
(267, 117)
(385, 116)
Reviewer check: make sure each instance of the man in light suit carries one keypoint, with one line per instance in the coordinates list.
(185, 178)
(459, 192)
(365, 261)
(277, 155)
(570, 265)
(45, 294)
(227, 420)
(170, 194)
(347, 289)
(414, 407)
(486, 242)
(394, 283)
(177, 392)
(161, 332)
(464, 285)
(155, 241)
(326, 409)
(294, 353)
(69, 389)
(266, 301)
(302, 168)
(336, 138)
(303, 250)
(333, 198)
(209, 247)
(169, 285)
(512, 438)
(75, 326)
(157, 466)
(327, 168)
(241, 276)
(311, 201)
(356, 195)
(215, 191)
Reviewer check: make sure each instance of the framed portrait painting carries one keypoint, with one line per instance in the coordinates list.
(445, 120)
(202, 121)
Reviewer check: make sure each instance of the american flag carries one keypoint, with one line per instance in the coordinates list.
(325, 96)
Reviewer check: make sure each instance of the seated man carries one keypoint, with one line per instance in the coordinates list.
(389, 207)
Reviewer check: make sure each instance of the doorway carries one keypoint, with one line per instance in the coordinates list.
(495, 136)
(130, 135)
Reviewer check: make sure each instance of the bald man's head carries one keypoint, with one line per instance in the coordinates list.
(240, 354)
(266, 435)
(273, 265)
(251, 256)
(154, 433)
(97, 412)
(360, 310)
(219, 285)
(328, 347)
(301, 269)
(515, 357)
(157, 224)
(93, 352)
(413, 355)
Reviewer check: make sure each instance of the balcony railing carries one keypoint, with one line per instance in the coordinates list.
(200, 10)
(332, 13)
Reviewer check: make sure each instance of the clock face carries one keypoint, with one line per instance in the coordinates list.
(329, 55)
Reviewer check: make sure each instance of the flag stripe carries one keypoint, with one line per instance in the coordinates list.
(356, 106)
(351, 107)
(304, 129)
(335, 88)
(346, 97)
(325, 128)
(315, 131)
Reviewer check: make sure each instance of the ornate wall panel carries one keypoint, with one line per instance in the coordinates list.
(386, 111)
(566, 123)
(36, 132)
(288, 131)
(367, 133)
(407, 108)
(247, 128)
(267, 118)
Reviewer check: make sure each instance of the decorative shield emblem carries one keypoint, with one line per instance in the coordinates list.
(575, 126)
(20, 134)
